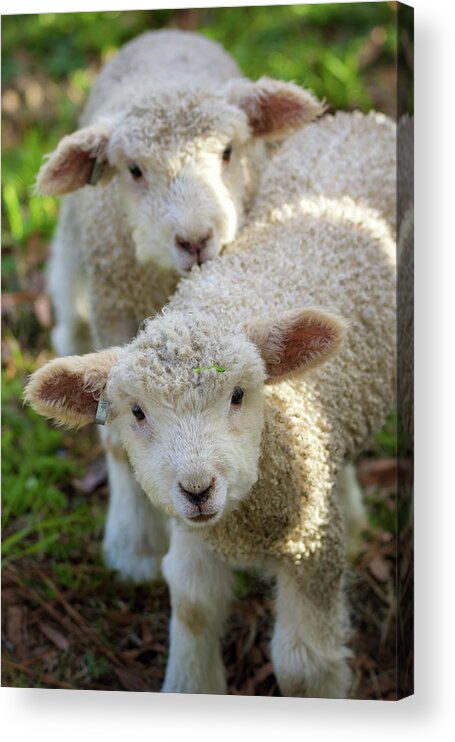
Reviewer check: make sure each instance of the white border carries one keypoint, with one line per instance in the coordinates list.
(74, 715)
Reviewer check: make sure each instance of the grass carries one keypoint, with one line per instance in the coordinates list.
(41, 516)
(51, 527)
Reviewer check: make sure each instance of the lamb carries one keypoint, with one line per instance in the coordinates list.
(242, 401)
(175, 141)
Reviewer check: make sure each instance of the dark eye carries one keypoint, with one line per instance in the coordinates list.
(237, 396)
(227, 153)
(137, 412)
(135, 171)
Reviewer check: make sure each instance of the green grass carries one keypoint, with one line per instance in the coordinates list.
(38, 517)
(385, 442)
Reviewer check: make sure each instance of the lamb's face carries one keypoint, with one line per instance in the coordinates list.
(184, 161)
(187, 397)
(183, 169)
(192, 431)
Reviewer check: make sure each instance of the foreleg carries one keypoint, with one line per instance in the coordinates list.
(200, 586)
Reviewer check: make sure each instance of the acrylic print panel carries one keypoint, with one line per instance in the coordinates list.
(73, 527)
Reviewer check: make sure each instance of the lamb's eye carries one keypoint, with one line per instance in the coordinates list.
(237, 396)
(138, 412)
(135, 171)
(227, 153)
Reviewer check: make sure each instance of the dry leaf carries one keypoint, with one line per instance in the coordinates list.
(379, 568)
(130, 678)
(54, 636)
(15, 629)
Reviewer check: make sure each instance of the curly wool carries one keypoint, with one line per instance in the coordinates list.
(322, 234)
(139, 65)
(174, 354)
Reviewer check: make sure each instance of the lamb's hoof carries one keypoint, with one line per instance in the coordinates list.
(134, 567)
(334, 682)
(185, 674)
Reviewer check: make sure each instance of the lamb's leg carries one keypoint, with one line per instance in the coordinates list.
(68, 283)
(308, 646)
(353, 509)
(136, 533)
(67, 286)
(200, 586)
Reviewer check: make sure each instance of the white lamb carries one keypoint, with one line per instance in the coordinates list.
(247, 471)
(174, 139)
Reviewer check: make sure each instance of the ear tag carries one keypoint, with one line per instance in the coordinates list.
(101, 412)
(96, 172)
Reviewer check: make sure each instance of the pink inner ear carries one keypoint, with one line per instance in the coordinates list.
(277, 111)
(73, 172)
(300, 346)
(65, 390)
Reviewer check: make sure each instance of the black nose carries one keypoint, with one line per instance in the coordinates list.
(193, 247)
(197, 498)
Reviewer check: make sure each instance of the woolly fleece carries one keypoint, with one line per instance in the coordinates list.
(322, 234)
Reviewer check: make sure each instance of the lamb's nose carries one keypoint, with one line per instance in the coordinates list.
(197, 498)
(193, 247)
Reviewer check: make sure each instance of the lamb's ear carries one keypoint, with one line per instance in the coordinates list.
(68, 389)
(274, 108)
(297, 341)
(79, 159)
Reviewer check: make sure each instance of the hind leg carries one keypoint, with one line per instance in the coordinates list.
(309, 652)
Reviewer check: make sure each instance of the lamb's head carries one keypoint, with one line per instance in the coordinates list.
(186, 162)
(187, 398)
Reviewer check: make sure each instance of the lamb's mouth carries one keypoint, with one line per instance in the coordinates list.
(201, 517)
(203, 520)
